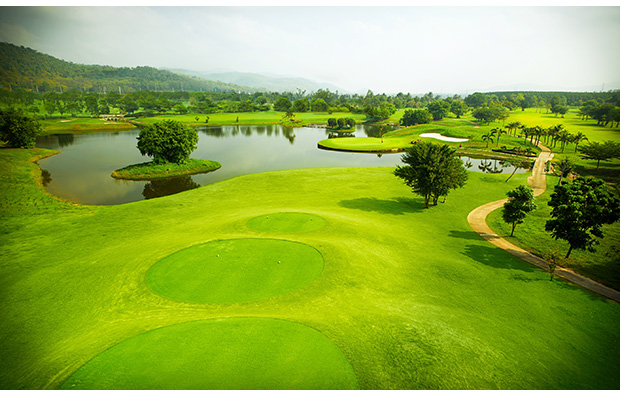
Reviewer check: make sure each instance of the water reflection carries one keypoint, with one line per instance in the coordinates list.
(82, 172)
(168, 186)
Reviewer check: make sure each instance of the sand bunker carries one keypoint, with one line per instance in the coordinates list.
(443, 138)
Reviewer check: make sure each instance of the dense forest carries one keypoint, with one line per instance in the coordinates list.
(28, 69)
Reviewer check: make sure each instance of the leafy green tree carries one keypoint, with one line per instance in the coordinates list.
(167, 141)
(301, 105)
(416, 117)
(563, 168)
(319, 105)
(438, 109)
(520, 202)
(341, 123)
(350, 122)
(282, 104)
(580, 210)
(476, 100)
(600, 151)
(458, 108)
(18, 130)
(431, 170)
(332, 123)
(92, 104)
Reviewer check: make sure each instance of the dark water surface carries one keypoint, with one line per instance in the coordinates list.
(82, 172)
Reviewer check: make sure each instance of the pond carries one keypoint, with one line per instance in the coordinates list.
(81, 173)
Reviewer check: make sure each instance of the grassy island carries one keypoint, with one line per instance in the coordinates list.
(150, 170)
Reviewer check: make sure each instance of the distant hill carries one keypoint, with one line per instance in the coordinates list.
(22, 67)
(269, 83)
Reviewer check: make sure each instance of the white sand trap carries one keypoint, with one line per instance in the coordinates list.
(444, 138)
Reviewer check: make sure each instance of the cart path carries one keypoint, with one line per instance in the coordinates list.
(538, 182)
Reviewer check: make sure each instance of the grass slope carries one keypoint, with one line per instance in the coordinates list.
(413, 298)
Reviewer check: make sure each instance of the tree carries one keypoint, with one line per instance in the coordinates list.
(416, 117)
(520, 202)
(18, 130)
(319, 105)
(332, 123)
(600, 151)
(301, 105)
(282, 104)
(167, 141)
(579, 211)
(578, 138)
(432, 170)
(458, 108)
(438, 109)
(350, 122)
(489, 136)
(564, 167)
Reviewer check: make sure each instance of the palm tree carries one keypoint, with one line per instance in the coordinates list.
(564, 167)
(489, 137)
(564, 137)
(578, 138)
(513, 126)
(499, 134)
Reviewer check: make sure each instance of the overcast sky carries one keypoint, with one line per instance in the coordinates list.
(385, 49)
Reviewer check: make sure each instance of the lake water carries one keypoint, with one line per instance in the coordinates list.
(82, 172)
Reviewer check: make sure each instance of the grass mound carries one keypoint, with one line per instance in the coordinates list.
(150, 170)
(227, 271)
(239, 353)
(287, 222)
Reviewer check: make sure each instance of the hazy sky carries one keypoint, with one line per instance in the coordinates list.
(385, 49)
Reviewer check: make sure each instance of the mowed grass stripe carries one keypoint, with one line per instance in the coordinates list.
(227, 271)
(230, 354)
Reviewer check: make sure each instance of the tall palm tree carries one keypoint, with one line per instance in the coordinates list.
(499, 134)
(578, 138)
(563, 168)
(488, 137)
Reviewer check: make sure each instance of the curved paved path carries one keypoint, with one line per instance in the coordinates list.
(538, 181)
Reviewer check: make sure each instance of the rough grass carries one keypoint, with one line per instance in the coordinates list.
(151, 171)
(413, 298)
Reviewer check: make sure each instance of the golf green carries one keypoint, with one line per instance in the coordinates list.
(287, 222)
(236, 353)
(237, 270)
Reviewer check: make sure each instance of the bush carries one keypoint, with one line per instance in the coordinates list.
(19, 130)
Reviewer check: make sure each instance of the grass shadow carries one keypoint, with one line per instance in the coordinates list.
(497, 258)
(397, 206)
(468, 235)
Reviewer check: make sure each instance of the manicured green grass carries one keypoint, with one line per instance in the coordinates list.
(230, 354)
(82, 125)
(609, 171)
(413, 298)
(252, 118)
(151, 171)
(237, 270)
(286, 222)
(601, 266)
(402, 138)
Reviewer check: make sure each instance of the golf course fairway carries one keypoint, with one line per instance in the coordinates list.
(230, 354)
(412, 298)
(287, 222)
(226, 271)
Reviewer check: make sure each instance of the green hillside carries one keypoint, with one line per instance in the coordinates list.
(22, 67)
